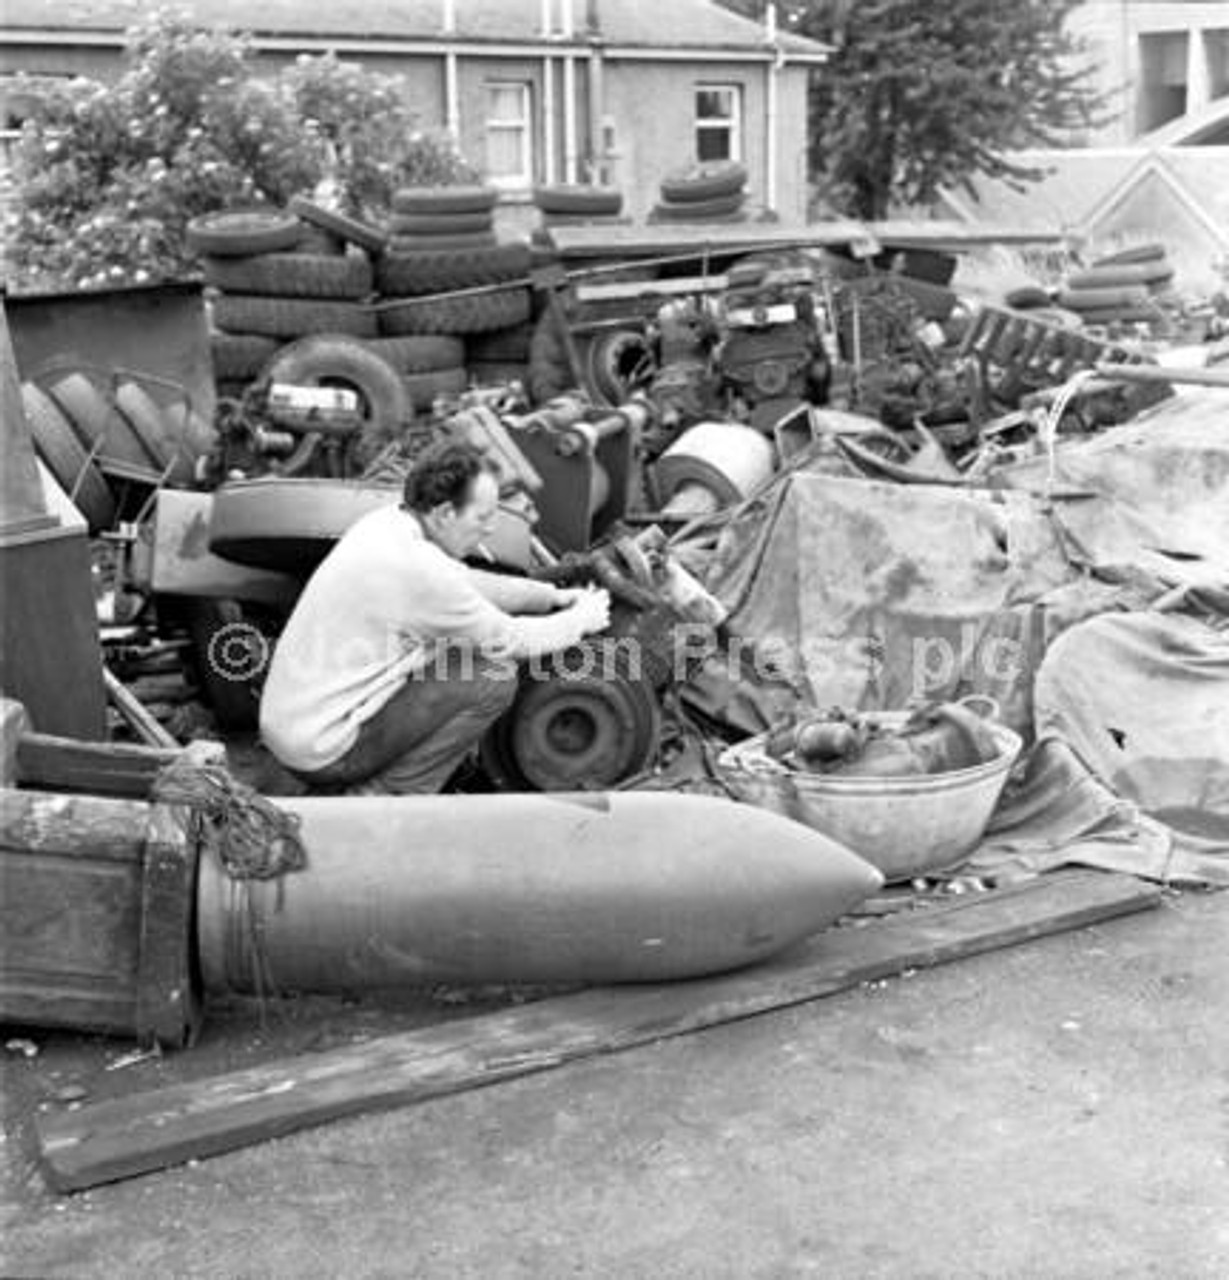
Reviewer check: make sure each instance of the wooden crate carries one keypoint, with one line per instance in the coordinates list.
(96, 916)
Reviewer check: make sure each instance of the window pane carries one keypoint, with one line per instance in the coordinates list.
(506, 103)
(714, 104)
(505, 153)
(712, 144)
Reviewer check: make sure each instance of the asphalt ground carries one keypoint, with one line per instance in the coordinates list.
(1057, 1109)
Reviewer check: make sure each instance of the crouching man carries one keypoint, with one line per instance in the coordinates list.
(398, 656)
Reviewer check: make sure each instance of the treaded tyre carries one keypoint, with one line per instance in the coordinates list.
(362, 234)
(435, 200)
(698, 210)
(292, 275)
(1027, 297)
(230, 658)
(333, 360)
(99, 424)
(460, 313)
(424, 244)
(501, 346)
(317, 240)
(239, 356)
(420, 353)
(1082, 300)
(1132, 256)
(595, 202)
(704, 182)
(230, 233)
(150, 424)
(408, 275)
(616, 363)
(67, 458)
(497, 373)
(291, 317)
(422, 388)
(1154, 273)
(439, 224)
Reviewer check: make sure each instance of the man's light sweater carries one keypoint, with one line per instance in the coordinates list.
(376, 612)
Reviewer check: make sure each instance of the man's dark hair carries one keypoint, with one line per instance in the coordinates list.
(443, 472)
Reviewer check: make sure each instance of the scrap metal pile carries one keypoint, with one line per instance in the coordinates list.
(621, 403)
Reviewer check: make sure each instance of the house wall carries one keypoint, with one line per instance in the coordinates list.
(648, 105)
(1107, 198)
(654, 107)
(1157, 60)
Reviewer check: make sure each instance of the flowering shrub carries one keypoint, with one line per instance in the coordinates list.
(108, 176)
(374, 142)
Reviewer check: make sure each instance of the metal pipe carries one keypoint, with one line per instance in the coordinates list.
(597, 110)
(452, 97)
(570, 147)
(550, 142)
(772, 109)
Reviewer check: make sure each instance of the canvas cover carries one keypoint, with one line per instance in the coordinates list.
(1044, 593)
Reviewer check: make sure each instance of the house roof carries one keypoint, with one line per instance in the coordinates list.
(1074, 181)
(625, 25)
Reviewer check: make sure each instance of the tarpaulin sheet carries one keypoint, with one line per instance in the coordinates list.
(1158, 491)
(1132, 768)
(866, 595)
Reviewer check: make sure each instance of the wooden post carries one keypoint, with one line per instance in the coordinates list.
(50, 657)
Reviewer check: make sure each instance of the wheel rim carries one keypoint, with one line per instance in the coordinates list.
(574, 732)
(619, 363)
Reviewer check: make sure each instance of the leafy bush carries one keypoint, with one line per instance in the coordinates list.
(375, 144)
(108, 176)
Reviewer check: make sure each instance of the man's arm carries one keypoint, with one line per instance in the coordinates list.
(514, 594)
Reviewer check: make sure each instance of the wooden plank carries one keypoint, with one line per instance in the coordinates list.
(125, 1137)
(100, 768)
(138, 716)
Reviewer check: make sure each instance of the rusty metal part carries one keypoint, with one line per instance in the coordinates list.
(589, 727)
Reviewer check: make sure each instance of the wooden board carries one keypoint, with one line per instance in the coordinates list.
(125, 1137)
(97, 768)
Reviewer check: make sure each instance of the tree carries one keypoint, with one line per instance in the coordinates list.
(919, 95)
(108, 176)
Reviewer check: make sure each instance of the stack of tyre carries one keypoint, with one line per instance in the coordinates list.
(1126, 287)
(567, 205)
(445, 274)
(108, 440)
(703, 193)
(279, 275)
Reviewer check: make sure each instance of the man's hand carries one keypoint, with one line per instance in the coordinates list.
(565, 597)
(591, 606)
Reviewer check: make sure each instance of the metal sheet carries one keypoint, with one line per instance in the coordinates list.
(158, 332)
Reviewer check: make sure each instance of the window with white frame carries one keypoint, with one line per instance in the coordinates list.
(719, 114)
(509, 133)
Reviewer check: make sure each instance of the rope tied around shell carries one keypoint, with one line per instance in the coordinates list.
(251, 837)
